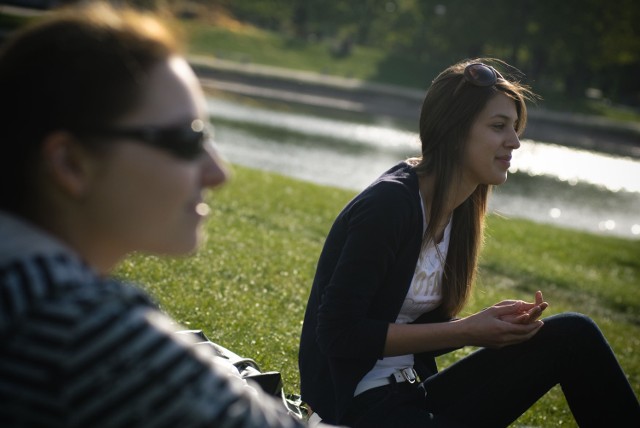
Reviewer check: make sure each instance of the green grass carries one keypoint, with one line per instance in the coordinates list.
(270, 48)
(247, 286)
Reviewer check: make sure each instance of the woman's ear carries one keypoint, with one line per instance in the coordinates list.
(68, 163)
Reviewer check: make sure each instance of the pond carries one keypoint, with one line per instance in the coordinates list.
(547, 183)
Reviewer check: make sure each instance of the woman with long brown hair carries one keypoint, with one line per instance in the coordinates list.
(397, 268)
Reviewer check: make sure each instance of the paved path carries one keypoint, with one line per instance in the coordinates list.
(257, 81)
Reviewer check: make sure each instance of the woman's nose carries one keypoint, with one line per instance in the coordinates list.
(215, 170)
(513, 140)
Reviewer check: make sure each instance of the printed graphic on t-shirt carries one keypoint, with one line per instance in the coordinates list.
(426, 279)
(425, 291)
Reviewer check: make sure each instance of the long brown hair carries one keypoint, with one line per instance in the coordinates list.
(450, 107)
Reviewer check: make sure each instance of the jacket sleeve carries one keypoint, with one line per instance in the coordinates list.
(373, 229)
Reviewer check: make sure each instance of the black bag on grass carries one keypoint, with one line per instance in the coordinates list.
(270, 382)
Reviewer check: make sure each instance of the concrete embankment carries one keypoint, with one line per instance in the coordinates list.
(252, 80)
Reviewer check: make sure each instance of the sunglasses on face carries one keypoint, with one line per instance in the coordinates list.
(183, 141)
(480, 74)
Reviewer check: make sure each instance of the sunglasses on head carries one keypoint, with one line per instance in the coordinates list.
(480, 74)
(182, 141)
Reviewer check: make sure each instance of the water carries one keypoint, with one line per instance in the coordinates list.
(547, 183)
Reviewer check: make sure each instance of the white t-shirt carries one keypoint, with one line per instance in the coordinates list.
(424, 295)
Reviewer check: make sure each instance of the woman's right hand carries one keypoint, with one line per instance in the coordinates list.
(505, 323)
(529, 311)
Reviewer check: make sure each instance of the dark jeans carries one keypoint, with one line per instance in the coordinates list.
(493, 387)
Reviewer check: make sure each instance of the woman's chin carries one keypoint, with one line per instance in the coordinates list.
(500, 180)
(177, 248)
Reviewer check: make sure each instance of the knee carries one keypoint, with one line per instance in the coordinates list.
(574, 319)
(575, 328)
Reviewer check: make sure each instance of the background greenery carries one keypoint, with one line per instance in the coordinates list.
(252, 45)
(580, 55)
(247, 287)
(571, 46)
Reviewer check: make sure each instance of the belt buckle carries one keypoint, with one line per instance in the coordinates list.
(409, 374)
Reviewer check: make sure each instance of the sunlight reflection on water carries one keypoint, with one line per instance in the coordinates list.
(574, 166)
(547, 183)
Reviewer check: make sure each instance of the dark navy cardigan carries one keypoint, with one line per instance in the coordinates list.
(362, 278)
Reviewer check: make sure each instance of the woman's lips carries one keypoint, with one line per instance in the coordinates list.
(505, 160)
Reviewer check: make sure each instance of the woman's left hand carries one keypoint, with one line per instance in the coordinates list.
(524, 312)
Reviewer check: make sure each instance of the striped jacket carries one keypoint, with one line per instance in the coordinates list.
(79, 350)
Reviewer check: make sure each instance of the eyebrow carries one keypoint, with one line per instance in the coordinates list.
(503, 116)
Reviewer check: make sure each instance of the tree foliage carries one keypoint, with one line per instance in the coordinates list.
(570, 45)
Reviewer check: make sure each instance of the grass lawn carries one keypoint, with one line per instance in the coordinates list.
(247, 286)
(270, 48)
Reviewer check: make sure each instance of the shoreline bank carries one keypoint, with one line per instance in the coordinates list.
(352, 95)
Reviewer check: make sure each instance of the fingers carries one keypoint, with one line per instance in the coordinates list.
(538, 299)
(519, 306)
(520, 333)
(506, 302)
(522, 318)
(510, 334)
(514, 307)
(534, 327)
(541, 305)
(488, 329)
(536, 312)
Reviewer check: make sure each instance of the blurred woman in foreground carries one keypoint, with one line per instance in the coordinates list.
(104, 152)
